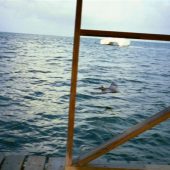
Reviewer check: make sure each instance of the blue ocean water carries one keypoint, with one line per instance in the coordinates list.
(35, 73)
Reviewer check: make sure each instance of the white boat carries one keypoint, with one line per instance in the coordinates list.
(121, 42)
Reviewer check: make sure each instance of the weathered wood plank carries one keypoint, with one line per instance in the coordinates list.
(124, 137)
(1, 158)
(157, 167)
(100, 163)
(35, 163)
(120, 166)
(13, 162)
(55, 164)
(98, 168)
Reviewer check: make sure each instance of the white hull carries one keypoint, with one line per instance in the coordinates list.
(121, 42)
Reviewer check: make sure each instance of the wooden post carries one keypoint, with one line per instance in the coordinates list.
(73, 84)
(127, 135)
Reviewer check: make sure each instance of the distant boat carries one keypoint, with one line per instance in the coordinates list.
(121, 42)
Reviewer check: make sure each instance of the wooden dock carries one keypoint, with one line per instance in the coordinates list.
(25, 162)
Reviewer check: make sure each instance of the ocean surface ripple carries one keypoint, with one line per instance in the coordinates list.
(35, 73)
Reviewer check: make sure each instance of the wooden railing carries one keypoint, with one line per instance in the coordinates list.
(133, 35)
(126, 136)
(72, 104)
(129, 134)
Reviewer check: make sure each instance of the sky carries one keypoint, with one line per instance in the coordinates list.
(56, 17)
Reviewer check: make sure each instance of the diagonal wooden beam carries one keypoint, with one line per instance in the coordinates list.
(127, 135)
(132, 35)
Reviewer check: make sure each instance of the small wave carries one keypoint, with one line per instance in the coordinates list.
(64, 98)
(34, 96)
(49, 116)
(38, 81)
(91, 80)
(133, 81)
(5, 98)
(6, 57)
(9, 52)
(60, 83)
(165, 75)
(29, 97)
(81, 96)
(52, 63)
(9, 102)
(38, 94)
(38, 71)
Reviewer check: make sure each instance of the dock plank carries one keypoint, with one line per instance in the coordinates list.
(56, 164)
(13, 162)
(22, 162)
(99, 163)
(35, 163)
(1, 158)
(157, 167)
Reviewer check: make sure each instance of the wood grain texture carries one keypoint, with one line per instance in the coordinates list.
(100, 168)
(19, 162)
(157, 167)
(56, 164)
(69, 156)
(13, 162)
(1, 158)
(35, 163)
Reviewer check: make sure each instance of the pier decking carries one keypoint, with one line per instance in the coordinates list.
(25, 162)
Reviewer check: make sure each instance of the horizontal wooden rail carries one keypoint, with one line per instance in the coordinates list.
(132, 35)
(127, 135)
